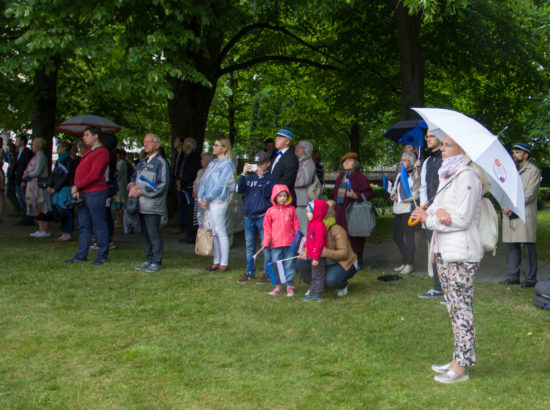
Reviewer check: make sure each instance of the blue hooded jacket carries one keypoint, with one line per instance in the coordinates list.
(257, 191)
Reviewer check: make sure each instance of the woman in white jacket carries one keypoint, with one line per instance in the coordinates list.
(456, 246)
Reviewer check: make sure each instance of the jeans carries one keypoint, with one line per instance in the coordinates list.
(66, 220)
(289, 266)
(253, 227)
(92, 213)
(336, 277)
(513, 261)
(151, 238)
(217, 211)
(22, 203)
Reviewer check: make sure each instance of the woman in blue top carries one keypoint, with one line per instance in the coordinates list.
(215, 191)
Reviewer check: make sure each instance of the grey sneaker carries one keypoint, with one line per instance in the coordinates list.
(441, 368)
(451, 377)
(443, 302)
(143, 266)
(153, 268)
(432, 293)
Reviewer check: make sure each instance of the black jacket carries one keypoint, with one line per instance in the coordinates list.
(187, 172)
(286, 170)
(21, 162)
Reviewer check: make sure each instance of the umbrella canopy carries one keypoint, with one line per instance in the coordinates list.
(77, 125)
(408, 132)
(484, 149)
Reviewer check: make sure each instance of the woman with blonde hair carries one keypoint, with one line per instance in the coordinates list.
(215, 191)
(37, 199)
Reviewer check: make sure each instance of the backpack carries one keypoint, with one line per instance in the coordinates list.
(315, 189)
(488, 226)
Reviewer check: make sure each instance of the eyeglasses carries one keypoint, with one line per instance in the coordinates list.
(429, 136)
(217, 145)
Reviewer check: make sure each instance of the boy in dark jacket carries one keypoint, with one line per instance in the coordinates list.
(257, 187)
(316, 240)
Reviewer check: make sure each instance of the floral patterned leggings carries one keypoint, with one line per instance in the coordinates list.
(457, 282)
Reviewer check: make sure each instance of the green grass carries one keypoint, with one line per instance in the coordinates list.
(112, 337)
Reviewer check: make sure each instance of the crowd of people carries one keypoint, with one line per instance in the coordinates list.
(443, 191)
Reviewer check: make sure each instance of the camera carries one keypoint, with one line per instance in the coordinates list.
(71, 203)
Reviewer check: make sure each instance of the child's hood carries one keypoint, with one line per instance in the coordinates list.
(320, 209)
(277, 189)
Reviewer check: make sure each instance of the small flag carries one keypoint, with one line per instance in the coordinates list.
(405, 181)
(302, 244)
(385, 181)
(390, 187)
(150, 183)
(276, 271)
(250, 265)
(296, 240)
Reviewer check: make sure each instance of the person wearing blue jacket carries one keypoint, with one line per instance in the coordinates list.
(256, 187)
(215, 191)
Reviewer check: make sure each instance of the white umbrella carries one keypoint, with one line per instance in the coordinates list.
(484, 149)
(77, 125)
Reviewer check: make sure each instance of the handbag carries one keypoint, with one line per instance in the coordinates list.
(132, 207)
(204, 244)
(361, 218)
(314, 189)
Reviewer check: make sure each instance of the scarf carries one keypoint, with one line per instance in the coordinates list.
(329, 222)
(451, 165)
(345, 185)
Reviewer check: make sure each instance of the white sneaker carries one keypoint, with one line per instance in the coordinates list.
(399, 268)
(307, 293)
(342, 292)
(34, 233)
(441, 368)
(451, 377)
(40, 234)
(407, 269)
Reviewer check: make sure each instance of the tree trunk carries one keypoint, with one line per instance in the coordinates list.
(412, 62)
(45, 102)
(231, 110)
(354, 138)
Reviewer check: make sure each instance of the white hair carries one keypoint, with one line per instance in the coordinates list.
(191, 142)
(156, 138)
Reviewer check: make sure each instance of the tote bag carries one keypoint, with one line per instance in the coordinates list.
(361, 218)
(204, 245)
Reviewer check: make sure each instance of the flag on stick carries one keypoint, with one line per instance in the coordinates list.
(296, 240)
(277, 270)
(250, 263)
(405, 182)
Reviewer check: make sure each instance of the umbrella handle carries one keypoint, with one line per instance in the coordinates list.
(413, 222)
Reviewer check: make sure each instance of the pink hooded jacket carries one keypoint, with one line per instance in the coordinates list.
(280, 221)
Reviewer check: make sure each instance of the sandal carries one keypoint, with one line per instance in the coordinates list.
(212, 268)
(223, 268)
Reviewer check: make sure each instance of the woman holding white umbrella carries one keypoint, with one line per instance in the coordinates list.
(456, 247)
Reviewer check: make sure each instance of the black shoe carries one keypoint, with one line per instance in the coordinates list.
(529, 284)
(74, 260)
(98, 262)
(509, 282)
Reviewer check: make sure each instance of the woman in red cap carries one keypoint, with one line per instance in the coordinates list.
(348, 188)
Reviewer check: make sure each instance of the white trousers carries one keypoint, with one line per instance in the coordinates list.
(217, 211)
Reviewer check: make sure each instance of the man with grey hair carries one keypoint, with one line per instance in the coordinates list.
(149, 183)
(187, 173)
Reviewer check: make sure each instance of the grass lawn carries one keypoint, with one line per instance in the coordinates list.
(111, 337)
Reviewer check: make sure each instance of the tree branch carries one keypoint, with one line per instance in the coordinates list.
(281, 59)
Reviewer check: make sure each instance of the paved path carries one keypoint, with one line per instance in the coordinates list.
(380, 257)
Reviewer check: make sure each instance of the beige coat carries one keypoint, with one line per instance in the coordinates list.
(338, 247)
(514, 230)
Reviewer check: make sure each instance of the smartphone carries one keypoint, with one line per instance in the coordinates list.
(253, 167)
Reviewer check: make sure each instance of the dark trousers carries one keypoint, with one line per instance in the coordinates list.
(151, 238)
(180, 199)
(318, 278)
(513, 261)
(22, 203)
(403, 235)
(437, 283)
(66, 219)
(92, 214)
(11, 194)
(336, 277)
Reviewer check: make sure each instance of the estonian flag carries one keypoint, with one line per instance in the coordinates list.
(276, 271)
(296, 243)
(250, 263)
(405, 181)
